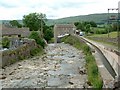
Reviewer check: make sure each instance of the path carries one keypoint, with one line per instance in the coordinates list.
(63, 66)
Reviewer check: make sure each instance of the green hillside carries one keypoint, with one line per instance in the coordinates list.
(7, 21)
(98, 18)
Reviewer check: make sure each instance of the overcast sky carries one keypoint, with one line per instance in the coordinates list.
(54, 9)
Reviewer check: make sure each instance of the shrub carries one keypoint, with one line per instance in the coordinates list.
(86, 49)
(51, 41)
(5, 42)
(101, 31)
(34, 51)
(35, 35)
(48, 34)
(37, 50)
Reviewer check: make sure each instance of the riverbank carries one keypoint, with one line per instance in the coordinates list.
(91, 66)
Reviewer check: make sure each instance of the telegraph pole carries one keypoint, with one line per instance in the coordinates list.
(117, 9)
(41, 28)
(108, 23)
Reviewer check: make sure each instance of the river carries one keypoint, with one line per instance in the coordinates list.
(63, 66)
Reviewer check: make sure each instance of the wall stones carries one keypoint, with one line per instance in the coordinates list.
(20, 53)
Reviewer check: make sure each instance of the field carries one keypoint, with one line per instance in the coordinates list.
(111, 41)
(111, 35)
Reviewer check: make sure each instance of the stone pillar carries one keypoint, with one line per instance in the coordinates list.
(118, 35)
(55, 34)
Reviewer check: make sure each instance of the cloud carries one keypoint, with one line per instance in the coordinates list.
(15, 9)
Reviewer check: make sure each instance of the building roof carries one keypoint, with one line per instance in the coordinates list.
(15, 31)
(64, 26)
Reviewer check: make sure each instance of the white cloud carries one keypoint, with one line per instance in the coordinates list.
(15, 9)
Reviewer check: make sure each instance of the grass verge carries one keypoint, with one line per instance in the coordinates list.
(37, 51)
(111, 35)
(92, 70)
(104, 40)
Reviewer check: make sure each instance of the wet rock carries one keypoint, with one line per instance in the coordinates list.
(3, 77)
(18, 78)
(15, 69)
(44, 58)
(71, 83)
(11, 73)
(19, 65)
(82, 71)
(35, 58)
(89, 83)
(72, 56)
(85, 85)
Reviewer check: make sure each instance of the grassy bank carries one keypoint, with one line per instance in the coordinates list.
(37, 51)
(92, 69)
(103, 38)
(111, 35)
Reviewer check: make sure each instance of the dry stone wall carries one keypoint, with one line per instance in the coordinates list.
(20, 53)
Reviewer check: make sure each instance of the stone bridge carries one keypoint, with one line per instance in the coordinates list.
(61, 30)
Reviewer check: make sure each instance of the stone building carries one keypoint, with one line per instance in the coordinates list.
(15, 35)
(62, 29)
(17, 32)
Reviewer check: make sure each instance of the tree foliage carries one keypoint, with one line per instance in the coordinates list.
(35, 35)
(88, 26)
(48, 33)
(33, 21)
(5, 42)
(15, 23)
(85, 26)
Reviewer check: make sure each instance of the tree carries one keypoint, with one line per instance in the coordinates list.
(35, 21)
(76, 24)
(48, 33)
(93, 24)
(79, 25)
(15, 23)
(88, 26)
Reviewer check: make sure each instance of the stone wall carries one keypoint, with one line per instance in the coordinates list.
(20, 53)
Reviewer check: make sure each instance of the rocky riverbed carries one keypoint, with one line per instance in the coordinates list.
(63, 66)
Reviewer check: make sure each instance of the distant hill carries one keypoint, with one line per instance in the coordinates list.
(7, 21)
(98, 18)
